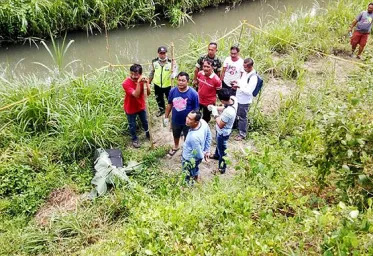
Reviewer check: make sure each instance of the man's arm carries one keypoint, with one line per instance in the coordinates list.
(147, 88)
(168, 110)
(208, 141)
(220, 122)
(353, 24)
(223, 73)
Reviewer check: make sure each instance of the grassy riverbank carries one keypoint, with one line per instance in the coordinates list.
(301, 178)
(21, 19)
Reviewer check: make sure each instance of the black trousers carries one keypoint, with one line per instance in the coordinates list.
(231, 91)
(159, 96)
(206, 113)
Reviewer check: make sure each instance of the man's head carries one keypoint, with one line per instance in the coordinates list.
(207, 67)
(224, 96)
(248, 64)
(234, 52)
(370, 7)
(182, 81)
(135, 72)
(193, 119)
(212, 49)
(162, 53)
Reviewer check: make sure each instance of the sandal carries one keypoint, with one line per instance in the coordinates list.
(172, 152)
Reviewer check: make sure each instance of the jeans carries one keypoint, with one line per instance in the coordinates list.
(220, 151)
(190, 167)
(159, 93)
(242, 122)
(132, 123)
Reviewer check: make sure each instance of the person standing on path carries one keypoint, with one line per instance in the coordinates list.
(161, 75)
(211, 55)
(134, 101)
(196, 146)
(364, 25)
(245, 87)
(232, 69)
(208, 84)
(224, 125)
(181, 101)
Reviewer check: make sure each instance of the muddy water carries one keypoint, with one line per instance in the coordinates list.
(139, 44)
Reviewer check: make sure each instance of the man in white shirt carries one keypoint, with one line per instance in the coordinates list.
(245, 87)
(232, 69)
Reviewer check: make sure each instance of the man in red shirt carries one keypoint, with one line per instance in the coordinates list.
(134, 101)
(208, 84)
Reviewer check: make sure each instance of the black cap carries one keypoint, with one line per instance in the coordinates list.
(162, 49)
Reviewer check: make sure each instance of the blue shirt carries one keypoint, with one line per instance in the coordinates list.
(228, 116)
(182, 104)
(197, 142)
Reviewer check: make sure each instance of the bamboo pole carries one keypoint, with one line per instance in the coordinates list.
(172, 62)
(148, 115)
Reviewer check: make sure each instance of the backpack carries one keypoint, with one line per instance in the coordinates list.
(258, 86)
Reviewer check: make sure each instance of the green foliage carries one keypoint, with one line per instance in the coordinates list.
(26, 18)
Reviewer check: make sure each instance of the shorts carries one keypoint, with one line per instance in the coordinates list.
(359, 38)
(178, 129)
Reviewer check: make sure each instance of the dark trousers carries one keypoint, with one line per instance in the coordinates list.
(206, 114)
(160, 93)
(220, 151)
(232, 92)
(242, 122)
(132, 123)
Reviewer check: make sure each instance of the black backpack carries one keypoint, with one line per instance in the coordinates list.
(258, 86)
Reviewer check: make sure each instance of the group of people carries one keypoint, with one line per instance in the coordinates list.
(192, 107)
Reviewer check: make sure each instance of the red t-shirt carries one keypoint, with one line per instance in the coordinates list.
(132, 104)
(207, 87)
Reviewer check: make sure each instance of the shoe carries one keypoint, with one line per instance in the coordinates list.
(358, 57)
(160, 113)
(221, 171)
(213, 156)
(147, 135)
(136, 144)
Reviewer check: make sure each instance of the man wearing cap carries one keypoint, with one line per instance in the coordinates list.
(163, 71)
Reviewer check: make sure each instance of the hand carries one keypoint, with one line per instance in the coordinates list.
(213, 109)
(166, 122)
(349, 29)
(195, 82)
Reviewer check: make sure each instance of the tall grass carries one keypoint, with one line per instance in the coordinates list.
(31, 19)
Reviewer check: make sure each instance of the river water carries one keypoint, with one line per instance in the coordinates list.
(139, 44)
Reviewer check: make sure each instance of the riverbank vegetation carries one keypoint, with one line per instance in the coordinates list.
(303, 183)
(20, 20)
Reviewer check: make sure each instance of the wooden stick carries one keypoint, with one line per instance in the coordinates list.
(172, 62)
(148, 115)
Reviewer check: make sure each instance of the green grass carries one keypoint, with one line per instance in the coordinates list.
(31, 19)
(310, 167)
